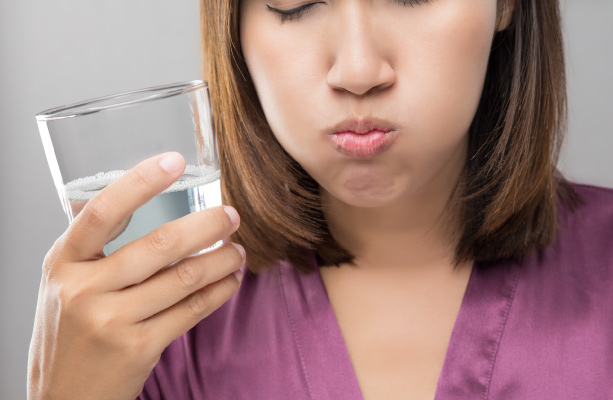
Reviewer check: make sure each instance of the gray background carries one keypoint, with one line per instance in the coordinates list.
(58, 52)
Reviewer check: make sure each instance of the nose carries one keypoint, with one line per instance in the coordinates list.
(360, 62)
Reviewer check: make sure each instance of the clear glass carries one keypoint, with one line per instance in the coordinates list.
(91, 143)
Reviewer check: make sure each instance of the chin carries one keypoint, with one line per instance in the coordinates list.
(363, 186)
(366, 197)
(368, 203)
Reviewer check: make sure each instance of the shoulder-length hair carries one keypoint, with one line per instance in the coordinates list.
(507, 197)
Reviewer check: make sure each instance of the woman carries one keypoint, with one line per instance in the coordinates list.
(408, 234)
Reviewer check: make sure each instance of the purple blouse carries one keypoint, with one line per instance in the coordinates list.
(542, 329)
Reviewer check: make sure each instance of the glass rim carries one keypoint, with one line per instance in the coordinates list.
(165, 91)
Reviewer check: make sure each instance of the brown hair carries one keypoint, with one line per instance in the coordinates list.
(507, 196)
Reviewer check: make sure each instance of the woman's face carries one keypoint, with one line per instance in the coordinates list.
(420, 67)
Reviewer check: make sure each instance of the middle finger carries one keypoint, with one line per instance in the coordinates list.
(143, 257)
(173, 284)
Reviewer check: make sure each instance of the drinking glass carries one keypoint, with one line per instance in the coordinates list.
(91, 143)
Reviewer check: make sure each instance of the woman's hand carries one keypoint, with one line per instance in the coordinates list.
(102, 322)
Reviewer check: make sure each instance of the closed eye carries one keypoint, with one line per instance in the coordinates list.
(296, 13)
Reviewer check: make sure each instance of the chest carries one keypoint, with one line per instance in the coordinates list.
(394, 364)
(396, 335)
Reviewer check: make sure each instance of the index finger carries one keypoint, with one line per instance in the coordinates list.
(90, 231)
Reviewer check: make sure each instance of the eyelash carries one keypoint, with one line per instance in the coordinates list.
(296, 13)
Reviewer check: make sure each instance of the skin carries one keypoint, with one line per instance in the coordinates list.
(422, 68)
(102, 322)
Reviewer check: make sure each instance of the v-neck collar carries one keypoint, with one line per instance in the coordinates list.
(470, 356)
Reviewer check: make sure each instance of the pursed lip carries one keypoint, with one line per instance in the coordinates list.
(362, 126)
(362, 137)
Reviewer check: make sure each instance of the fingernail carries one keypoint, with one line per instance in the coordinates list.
(239, 275)
(232, 214)
(240, 249)
(171, 163)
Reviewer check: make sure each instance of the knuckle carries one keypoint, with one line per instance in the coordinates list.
(199, 303)
(161, 240)
(127, 340)
(218, 220)
(232, 256)
(50, 260)
(102, 324)
(56, 254)
(96, 211)
(232, 284)
(139, 179)
(187, 273)
(69, 295)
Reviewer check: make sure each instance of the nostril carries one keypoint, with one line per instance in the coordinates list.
(361, 78)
